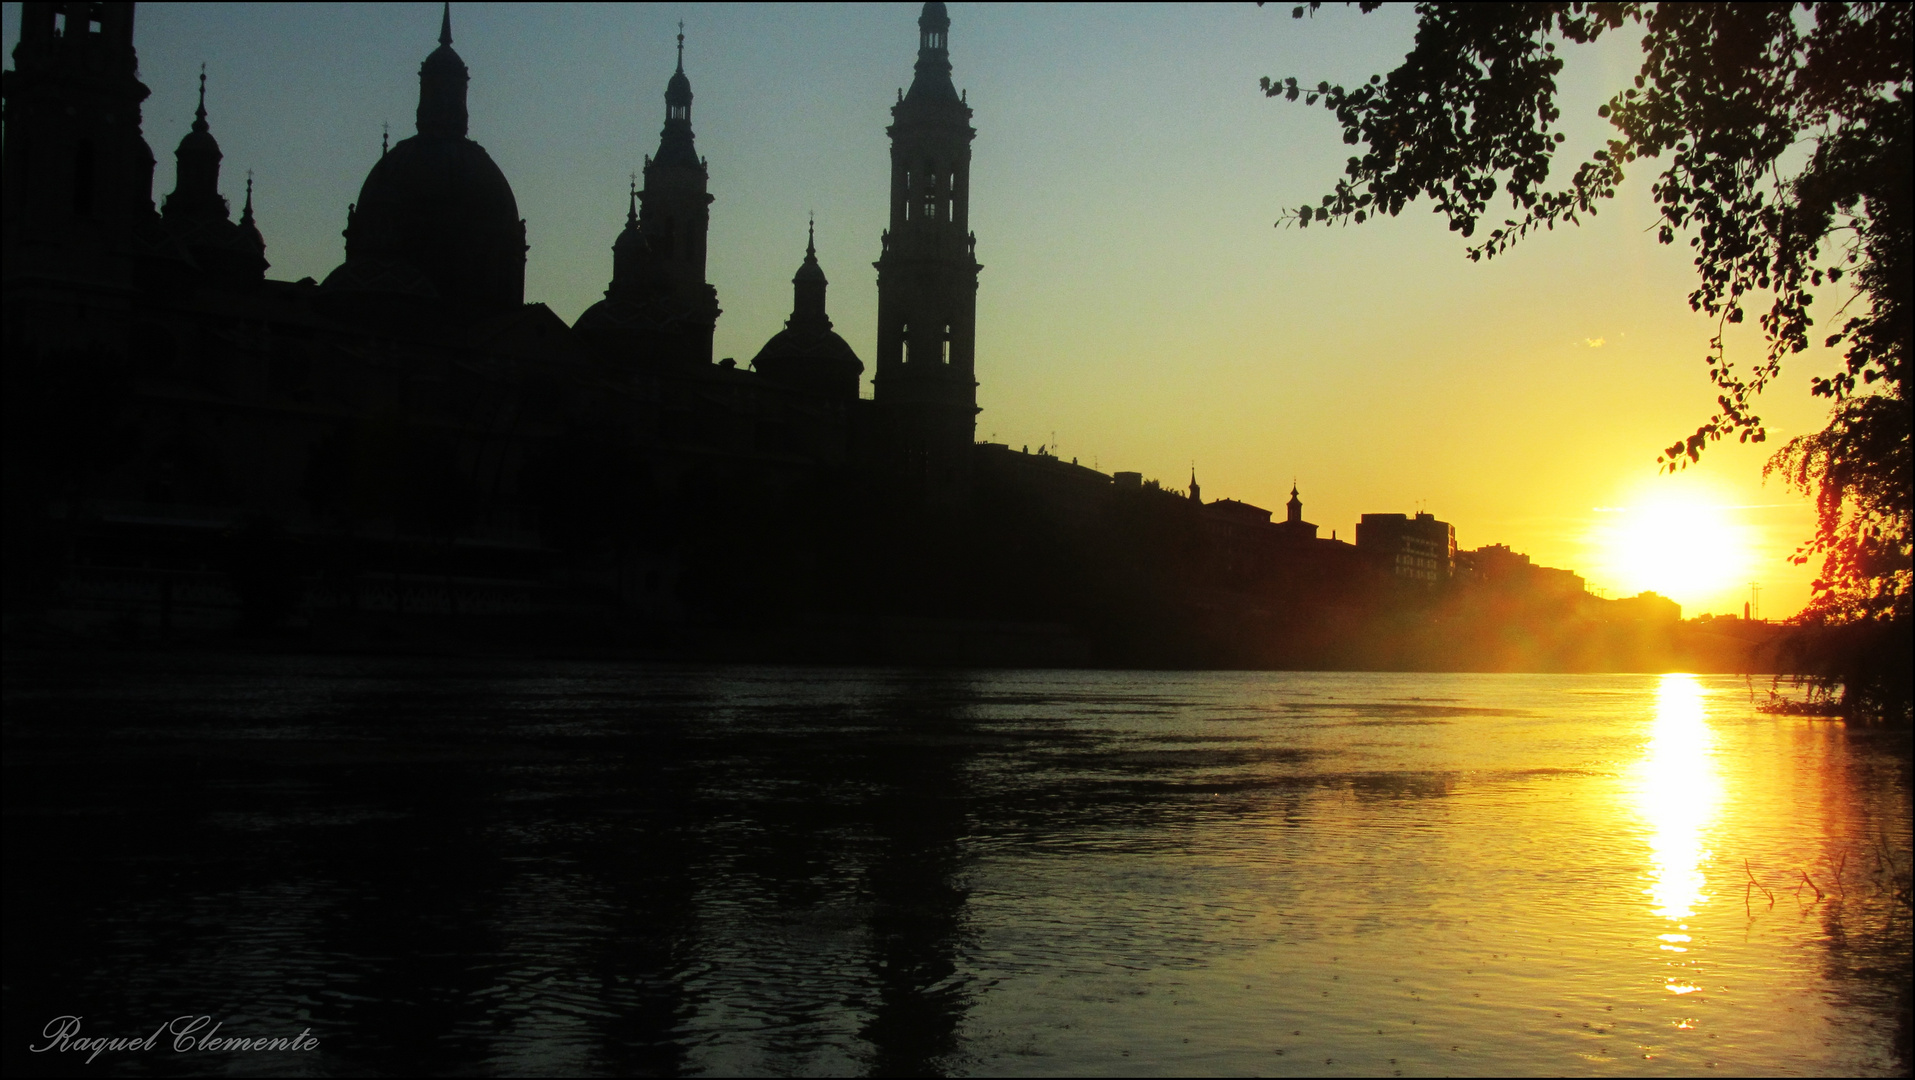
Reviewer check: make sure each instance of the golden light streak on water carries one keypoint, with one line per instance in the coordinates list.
(1677, 796)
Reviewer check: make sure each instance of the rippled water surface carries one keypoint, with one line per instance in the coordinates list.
(458, 867)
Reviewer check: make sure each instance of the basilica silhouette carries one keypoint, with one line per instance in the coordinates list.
(410, 451)
(414, 393)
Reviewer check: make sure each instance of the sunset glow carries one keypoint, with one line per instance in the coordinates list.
(1140, 323)
(1684, 542)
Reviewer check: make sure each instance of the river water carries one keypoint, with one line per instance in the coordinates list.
(460, 867)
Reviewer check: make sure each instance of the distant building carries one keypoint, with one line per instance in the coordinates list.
(1238, 513)
(1645, 607)
(1496, 567)
(1419, 549)
(1293, 528)
(1247, 546)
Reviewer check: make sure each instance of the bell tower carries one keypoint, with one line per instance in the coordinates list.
(77, 168)
(674, 214)
(925, 387)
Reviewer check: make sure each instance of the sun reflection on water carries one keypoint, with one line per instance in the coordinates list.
(1677, 798)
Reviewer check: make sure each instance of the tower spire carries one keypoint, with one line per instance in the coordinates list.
(932, 79)
(195, 193)
(246, 215)
(442, 85)
(674, 218)
(199, 115)
(675, 142)
(808, 287)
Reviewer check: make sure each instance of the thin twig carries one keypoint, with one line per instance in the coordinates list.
(1812, 885)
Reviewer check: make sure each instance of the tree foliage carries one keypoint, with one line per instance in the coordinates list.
(1783, 133)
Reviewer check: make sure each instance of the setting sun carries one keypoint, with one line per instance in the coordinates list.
(1680, 542)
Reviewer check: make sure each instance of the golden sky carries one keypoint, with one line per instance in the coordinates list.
(1137, 305)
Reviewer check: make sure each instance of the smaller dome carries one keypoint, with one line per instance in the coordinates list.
(810, 301)
(631, 240)
(200, 141)
(806, 353)
(678, 92)
(444, 61)
(813, 359)
(196, 188)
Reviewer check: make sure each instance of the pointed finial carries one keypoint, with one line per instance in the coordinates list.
(445, 25)
(681, 46)
(811, 237)
(246, 215)
(631, 206)
(385, 137)
(199, 115)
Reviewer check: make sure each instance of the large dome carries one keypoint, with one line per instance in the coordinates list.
(441, 206)
(438, 205)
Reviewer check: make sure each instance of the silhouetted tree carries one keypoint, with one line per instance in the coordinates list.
(1788, 134)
